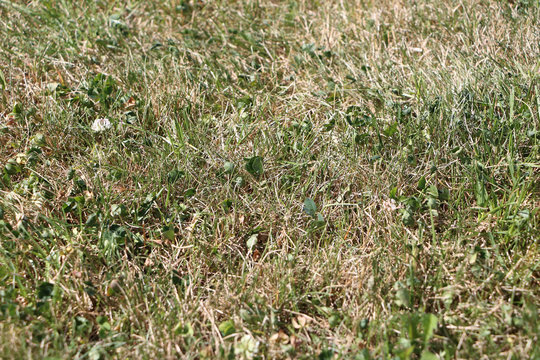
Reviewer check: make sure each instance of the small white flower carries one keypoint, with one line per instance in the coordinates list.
(101, 124)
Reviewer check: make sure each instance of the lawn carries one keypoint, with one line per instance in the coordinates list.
(257, 179)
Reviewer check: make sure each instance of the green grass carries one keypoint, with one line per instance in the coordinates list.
(282, 179)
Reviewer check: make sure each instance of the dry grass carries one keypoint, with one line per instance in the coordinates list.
(412, 126)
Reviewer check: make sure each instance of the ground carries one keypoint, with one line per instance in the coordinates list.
(269, 179)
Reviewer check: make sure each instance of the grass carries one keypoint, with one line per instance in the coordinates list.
(282, 179)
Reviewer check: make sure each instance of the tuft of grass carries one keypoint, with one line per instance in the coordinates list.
(295, 179)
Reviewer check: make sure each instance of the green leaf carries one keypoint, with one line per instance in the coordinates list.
(92, 220)
(2, 80)
(310, 207)
(147, 204)
(39, 140)
(189, 193)
(361, 138)
(81, 325)
(407, 218)
(481, 193)
(118, 210)
(174, 175)
(429, 323)
(180, 280)
(70, 205)
(334, 320)
(17, 108)
(403, 296)
(432, 203)
(444, 194)
(228, 167)
(406, 353)
(254, 165)
(168, 232)
(12, 167)
(393, 193)
(252, 241)
(81, 184)
(45, 290)
(326, 354)
(227, 328)
(227, 205)
(104, 326)
(533, 133)
(390, 130)
(183, 329)
(421, 183)
(330, 125)
(71, 174)
(96, 353)
(364, 355)
(432, 191)
(412, 204)
(426, 355)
